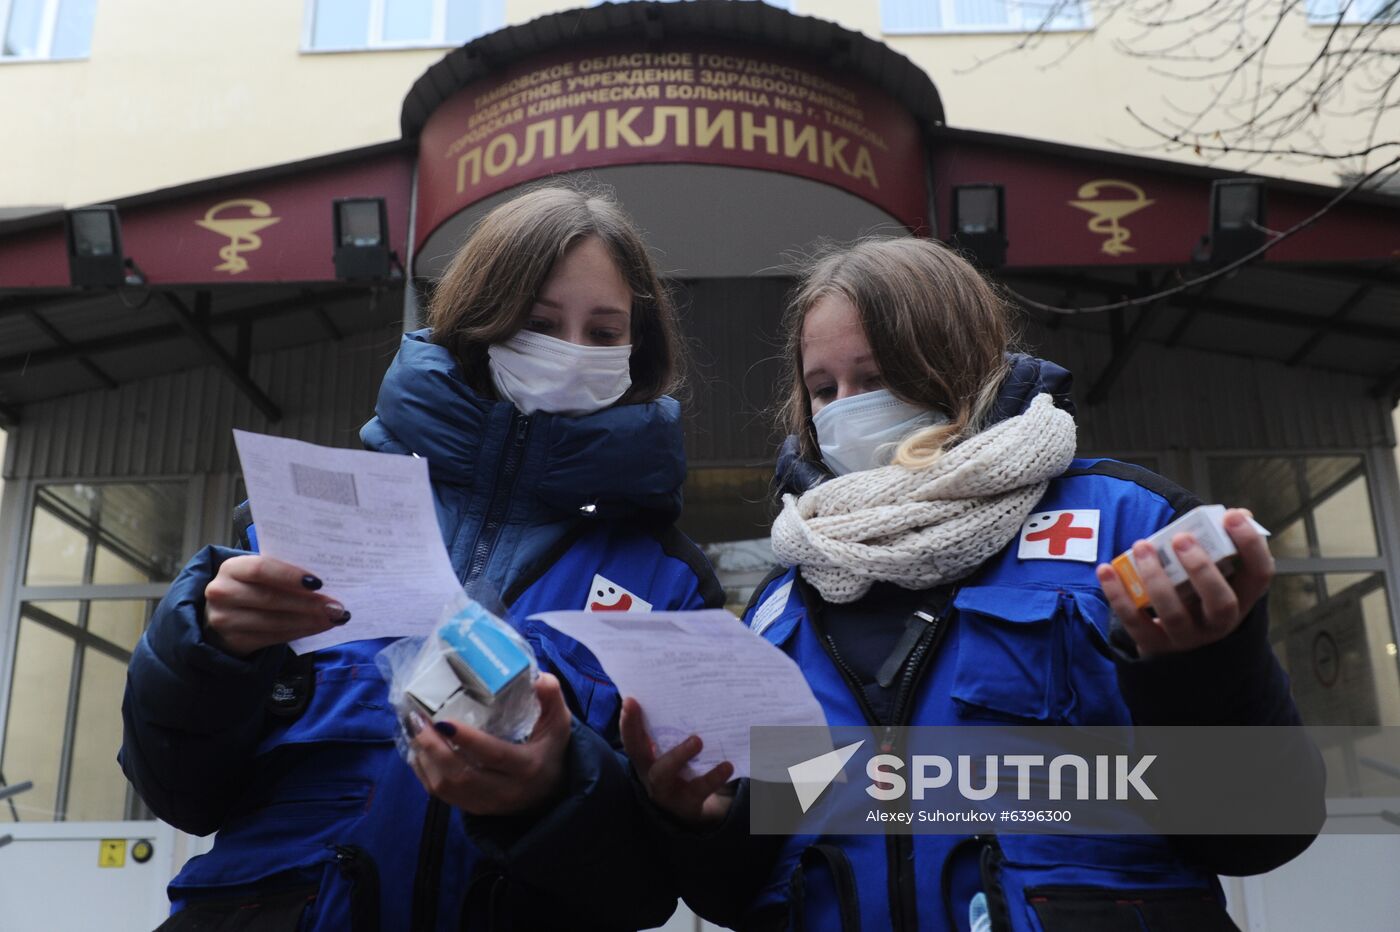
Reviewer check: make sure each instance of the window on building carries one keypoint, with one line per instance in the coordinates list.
(780, 4)
(926, 16)
(1327, 12)
(46, 30)
(98, 558)
(357, 25)
(1330, 613)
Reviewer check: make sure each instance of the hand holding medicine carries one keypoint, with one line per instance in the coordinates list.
(256, 601)
(485, 731)
(1164, 617)
(485, 775)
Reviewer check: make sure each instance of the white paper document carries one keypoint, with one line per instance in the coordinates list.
(697, 673)
(363, 522)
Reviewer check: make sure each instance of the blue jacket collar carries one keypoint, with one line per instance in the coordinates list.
(624, 460)
(1029, 377)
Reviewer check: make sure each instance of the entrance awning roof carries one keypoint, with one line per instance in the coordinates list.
(214, 293)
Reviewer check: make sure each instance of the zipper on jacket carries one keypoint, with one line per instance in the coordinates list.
(903, 886)
(359, 868)
(501, 496)
(898, 848)
(426, 881)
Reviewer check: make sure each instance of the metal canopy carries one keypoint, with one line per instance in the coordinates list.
(1343, 318)
(55, 344)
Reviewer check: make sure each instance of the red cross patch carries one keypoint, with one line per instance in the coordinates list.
(608, 596)
(1061, 535)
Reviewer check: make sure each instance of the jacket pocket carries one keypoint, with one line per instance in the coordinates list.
(254, 911)
(292, 835)
(334, 888)
(1010, 663)
(1096, 909)
(823, 889)
(1096, 884)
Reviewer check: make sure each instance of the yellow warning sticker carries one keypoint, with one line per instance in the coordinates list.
(112, 853)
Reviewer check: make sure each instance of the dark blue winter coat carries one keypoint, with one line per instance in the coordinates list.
(292, 759)
(1021, 641)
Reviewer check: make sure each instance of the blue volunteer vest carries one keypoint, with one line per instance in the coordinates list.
(1026, 640)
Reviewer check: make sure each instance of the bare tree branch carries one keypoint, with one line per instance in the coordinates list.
(1245, 91)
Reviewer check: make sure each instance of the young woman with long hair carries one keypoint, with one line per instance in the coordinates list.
(538, 397)
(926, 476)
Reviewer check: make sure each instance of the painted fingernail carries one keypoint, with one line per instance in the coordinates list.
(337, 613)
(311, 582)
(446, 729)
(415, 724)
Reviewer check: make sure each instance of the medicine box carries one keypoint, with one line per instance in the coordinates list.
(1207, 524)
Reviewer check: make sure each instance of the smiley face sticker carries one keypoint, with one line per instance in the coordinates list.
(607, 596)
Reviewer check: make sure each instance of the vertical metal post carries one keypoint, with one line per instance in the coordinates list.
(75, 681)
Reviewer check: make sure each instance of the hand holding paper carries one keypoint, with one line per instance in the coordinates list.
(363, 522)
(697, 673)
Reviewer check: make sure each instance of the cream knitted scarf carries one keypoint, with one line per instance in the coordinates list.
(922, 527)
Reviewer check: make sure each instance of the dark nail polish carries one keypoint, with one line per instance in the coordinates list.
(446, 729)
(342, 619)
(413, 724)
(311, 582)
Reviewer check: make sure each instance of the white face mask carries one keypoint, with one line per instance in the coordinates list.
(535, 372)
(862, 431)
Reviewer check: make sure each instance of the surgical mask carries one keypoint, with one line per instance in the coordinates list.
(862, 431)
(539, 373)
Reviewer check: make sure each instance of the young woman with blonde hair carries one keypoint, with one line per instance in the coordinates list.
(925, 475)
(537, 396)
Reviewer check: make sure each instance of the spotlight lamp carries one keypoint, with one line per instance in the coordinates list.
(95, 258)
(1237, 225)
(362, 239)
(979, 223)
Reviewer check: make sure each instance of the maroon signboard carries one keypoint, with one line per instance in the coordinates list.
(683, 102)
(274, 230)
(1063, 209)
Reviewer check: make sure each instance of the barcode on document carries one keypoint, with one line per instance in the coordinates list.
(324, 484)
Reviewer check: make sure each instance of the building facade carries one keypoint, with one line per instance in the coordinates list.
(1273, 387)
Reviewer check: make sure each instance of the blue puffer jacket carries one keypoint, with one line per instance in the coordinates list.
(291, 759)
(1020, 641)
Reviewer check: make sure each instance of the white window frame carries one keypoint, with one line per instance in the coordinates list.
(1326, 13)
(1017, 22)
(20, 497)
(377, 42)
(47, 28)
